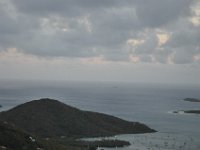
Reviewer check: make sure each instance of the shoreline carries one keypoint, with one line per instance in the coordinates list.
(157, 141)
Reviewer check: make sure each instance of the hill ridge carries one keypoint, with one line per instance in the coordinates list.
(52, 118)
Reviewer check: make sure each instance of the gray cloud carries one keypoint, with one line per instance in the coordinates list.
(182, 56)
(184, 42)
(91, 28)
(61, 7)
(155, 13)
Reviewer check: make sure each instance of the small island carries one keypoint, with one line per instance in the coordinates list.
(192, 111)
(194, 100)
(191, 100)
(187, 112)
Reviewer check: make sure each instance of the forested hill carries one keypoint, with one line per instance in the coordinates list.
(51, 118)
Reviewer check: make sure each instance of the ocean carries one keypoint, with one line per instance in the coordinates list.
(151, 104)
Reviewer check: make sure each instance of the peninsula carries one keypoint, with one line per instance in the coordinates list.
(53, 120)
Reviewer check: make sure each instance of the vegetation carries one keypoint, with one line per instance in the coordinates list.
(12, 138)
(51, 118)
(105, 143)
(51, 125)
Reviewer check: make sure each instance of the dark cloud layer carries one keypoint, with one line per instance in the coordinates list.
(156, 13)
(152, 31)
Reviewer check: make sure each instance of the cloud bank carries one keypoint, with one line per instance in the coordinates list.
(152, 31)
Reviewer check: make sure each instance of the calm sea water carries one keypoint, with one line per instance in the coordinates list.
(147, 103)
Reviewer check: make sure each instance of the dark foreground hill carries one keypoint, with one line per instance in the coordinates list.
(14, 139)
(51, 118)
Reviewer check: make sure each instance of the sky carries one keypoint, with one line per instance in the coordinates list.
(100, 40)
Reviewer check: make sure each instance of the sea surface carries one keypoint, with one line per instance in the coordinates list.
(151, 104)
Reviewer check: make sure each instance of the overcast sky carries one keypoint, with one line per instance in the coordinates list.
(100, 40)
